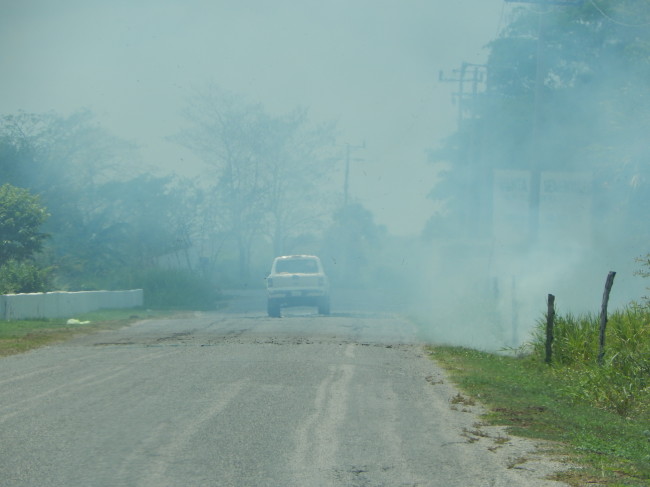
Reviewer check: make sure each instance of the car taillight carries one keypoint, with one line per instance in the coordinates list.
(269, 281)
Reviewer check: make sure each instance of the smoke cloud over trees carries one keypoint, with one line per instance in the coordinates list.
(536, 167)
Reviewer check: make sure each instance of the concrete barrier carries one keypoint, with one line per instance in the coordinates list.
(65, 304)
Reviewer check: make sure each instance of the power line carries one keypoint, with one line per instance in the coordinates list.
(578, 3)
(549, 2)
(474, 74)
(613, 20)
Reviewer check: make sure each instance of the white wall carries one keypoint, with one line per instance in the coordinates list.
(65, 304)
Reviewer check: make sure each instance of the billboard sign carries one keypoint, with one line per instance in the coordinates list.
(565, 206)
(510, 206)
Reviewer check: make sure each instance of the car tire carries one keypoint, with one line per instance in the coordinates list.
(273, 308)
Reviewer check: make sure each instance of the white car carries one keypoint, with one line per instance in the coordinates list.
(297, 280)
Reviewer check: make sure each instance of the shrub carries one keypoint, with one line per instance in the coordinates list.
(175, 289)
(24, 277)
(622, 383)
(575, 339)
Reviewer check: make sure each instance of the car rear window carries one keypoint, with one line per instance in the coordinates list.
(297, 266)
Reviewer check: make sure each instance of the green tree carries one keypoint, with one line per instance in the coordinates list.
(227, 133)
(267, 171)
(24, 277)
(350, 244)
(21, 217)
(577, 75)
(299, 160)
(566, 90)
(103, 212)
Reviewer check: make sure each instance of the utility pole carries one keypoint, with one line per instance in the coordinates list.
(476, 76)
(346, 182)
(470, 173)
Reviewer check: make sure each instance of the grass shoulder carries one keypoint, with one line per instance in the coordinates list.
(530, 399)
(23, 335)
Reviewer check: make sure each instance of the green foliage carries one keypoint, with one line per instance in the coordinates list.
(532, 400)
(21, 216)
(108, 216)
(164, 289)
(24, 277)
(351, 245)
(104, 216)
(267, 170)
(566, 90)
(134, 223)
(22, 335)
(175, 289)
(644, 271)
(575, 339)
(622, 383)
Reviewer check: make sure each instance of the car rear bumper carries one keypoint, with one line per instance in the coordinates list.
(302, 297)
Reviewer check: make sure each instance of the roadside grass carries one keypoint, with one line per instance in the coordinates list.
(622, 382)
(24, 335)
(533, 400)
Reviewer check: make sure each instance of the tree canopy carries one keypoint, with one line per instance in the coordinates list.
(21, 218)
(265, 171)
(262, 191)
(566, 91)
(108, 217)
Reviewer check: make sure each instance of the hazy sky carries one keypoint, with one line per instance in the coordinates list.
(371, 65)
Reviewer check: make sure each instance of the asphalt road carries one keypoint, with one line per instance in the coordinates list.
(234, 398)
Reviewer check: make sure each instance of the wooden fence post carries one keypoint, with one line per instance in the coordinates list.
(550, 320)
(603, 316)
